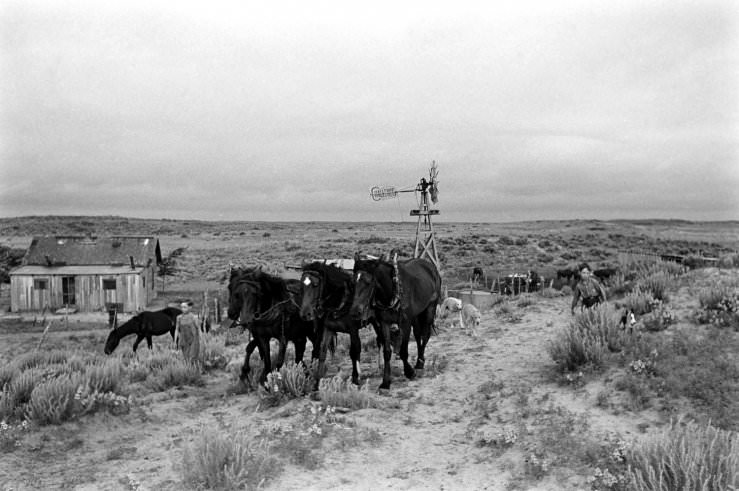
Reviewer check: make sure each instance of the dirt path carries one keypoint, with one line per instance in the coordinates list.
(429, 428)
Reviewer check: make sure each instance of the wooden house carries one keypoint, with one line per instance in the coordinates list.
(86, 274)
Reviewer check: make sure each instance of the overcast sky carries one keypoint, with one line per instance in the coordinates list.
(293, 110)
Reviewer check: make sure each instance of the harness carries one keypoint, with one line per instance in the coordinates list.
(272, 314)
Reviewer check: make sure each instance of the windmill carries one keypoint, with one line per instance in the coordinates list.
(425, 240)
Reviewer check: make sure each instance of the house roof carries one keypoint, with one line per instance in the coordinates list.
(93, 251)
(74, 270)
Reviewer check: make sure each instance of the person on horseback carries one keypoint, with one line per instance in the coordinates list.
(588, 289)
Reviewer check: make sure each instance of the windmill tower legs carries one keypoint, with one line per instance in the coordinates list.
(425, 239)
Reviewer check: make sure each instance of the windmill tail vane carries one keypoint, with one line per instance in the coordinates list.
(379, 193)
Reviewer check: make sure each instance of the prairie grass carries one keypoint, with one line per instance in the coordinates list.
(225, 461)
(176, 373)
(587, 339)
(719, 305)
(550, 292)
(291, 381)
(686, 456)
(710, 297)
(656, 284)
(638, 301)
(691, 366)
(214, 355)
(52, 401)
(339, 392)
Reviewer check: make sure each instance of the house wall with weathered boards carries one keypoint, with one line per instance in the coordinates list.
(86, 272)
(86, 288)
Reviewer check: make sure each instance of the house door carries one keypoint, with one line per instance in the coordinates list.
(68, 297)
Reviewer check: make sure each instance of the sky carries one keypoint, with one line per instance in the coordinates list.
(292, 111)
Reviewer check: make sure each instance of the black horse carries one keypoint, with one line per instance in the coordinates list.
(327, 298)
(268, 306)
(400, 293)
(145, 325)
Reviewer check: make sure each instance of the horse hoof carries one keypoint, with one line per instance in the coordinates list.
(410, 373)
(419, 365)
(385, 386)
(355, 380)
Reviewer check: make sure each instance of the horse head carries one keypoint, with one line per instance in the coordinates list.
(243, 300)
(373, 287)
(311, 305)
(130, 326)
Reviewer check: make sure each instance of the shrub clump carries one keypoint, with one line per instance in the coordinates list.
(336, 391)
(656, 285)
(587, 339)
(719, 306)
(686, 456)
(226, 461)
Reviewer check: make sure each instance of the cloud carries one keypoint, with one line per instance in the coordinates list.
(294, 111)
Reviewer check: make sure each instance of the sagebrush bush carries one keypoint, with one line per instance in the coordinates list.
(656, 284)
(336, 391)
(686, 456)
(712, 296)
(52, 401)
(296, 380)
(7, 372)
(214, 356)
(550, 292)
(175, 373)
(40, 358)
(226, 461)
(587, 339)
(602, 322)
(720, 306)
(639, 301)
(104, 375)
(21, 386)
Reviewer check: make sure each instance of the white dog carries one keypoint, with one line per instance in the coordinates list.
(470, 318)
(449, 311)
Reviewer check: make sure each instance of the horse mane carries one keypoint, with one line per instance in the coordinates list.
(339, 284)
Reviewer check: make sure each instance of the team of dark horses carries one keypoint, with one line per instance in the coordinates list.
(395, 297)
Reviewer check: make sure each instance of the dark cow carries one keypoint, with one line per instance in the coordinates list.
(604, 274)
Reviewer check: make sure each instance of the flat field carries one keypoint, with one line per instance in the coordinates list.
(490, 411)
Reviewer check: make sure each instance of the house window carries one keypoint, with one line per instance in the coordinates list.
(40, 284)
(109, 284)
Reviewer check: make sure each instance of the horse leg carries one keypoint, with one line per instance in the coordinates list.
(149, 342)
(245, 369)
(317, 339)
(387, 353)
(139, 338)
(299, 348)
(422, 333)
(408, 370)
(321, 370)
(355, 349)
(281, 353)
(263, 346)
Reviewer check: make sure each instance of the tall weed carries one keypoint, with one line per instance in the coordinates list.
(218, 460)
(587, 339)
(339, 392)
(686, 456)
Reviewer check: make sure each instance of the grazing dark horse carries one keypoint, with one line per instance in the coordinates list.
(404, 293)
(327, 298)
(268, 306)
(144, 325)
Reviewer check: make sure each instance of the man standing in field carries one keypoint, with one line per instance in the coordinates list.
(187, 333)
(588, 289)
